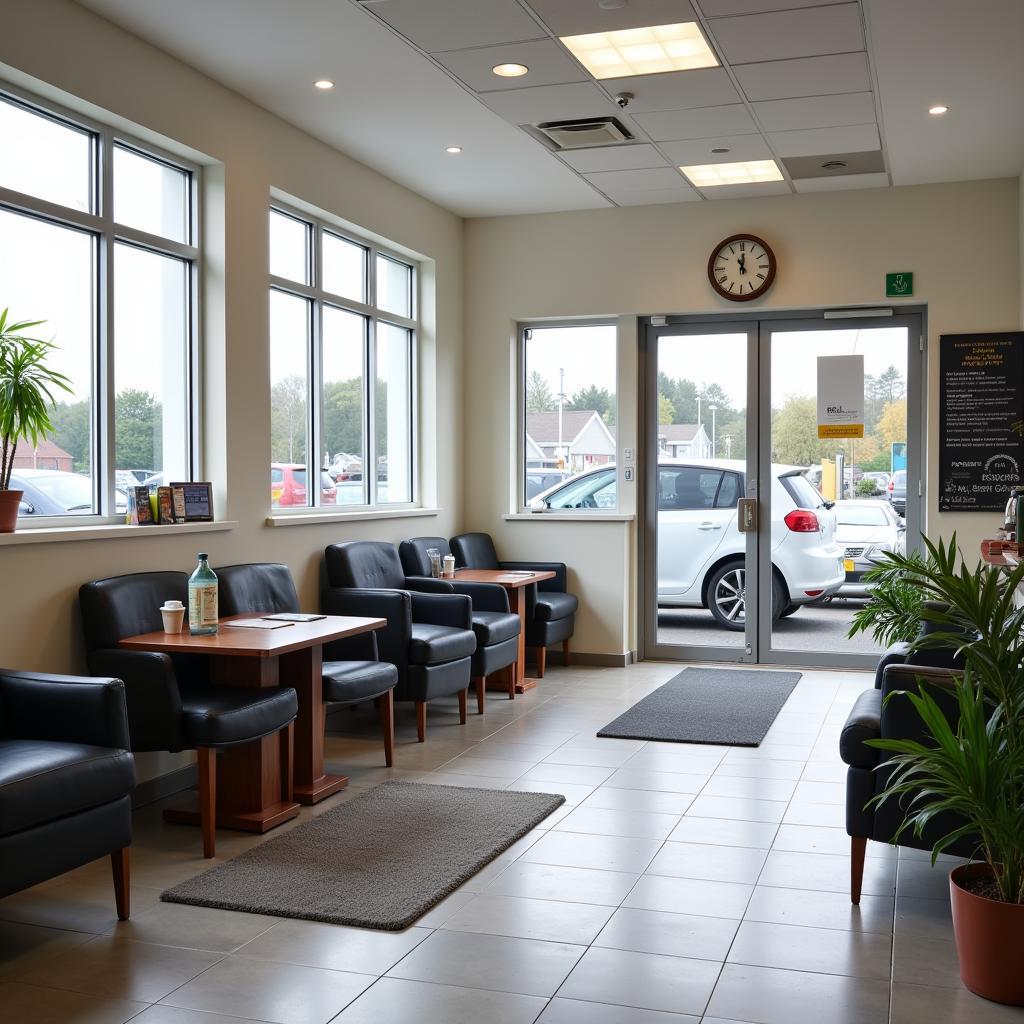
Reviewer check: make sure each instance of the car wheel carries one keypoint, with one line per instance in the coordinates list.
(789, 610)
(727, 596)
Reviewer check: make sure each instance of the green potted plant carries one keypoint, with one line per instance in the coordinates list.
(893, 611)
(972, 769)
(26, 399)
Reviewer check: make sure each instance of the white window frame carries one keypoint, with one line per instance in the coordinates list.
(317, 297)
(106, 232)
(522, 503)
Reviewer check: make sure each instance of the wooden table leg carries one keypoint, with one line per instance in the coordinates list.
(249, 776)
(303, 670)
(517, 604)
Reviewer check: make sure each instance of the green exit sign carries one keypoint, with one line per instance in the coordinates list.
(899, 285)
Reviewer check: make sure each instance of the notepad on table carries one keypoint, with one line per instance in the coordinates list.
(295, 617)
(255, 624)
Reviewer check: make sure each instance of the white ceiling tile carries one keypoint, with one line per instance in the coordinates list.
(436, 25)
(580, 17)
(549, 64)
(698, 151)
(720, 8)
(805, 76)
(637, 180)
(550, 103)
(857, 138)
(802, 33)
(754, 189)
(613, 158)
(654, 197)
(702, 123)
(816, 112)
(838, 183)
(677, 90)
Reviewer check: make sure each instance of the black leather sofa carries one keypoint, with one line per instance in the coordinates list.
(551, 610)
(496, 627)
(66, 778)
(172, 704)
(429, 637)
(352, 672)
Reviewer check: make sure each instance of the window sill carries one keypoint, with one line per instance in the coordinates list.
(316, 518)
(569, 517)
(108, 531)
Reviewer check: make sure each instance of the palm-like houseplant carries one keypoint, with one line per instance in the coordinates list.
(971, 771)
(27, 386)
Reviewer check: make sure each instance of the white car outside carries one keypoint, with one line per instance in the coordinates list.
(865, 530)
(701, 553)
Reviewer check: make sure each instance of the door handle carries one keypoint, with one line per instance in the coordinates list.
(709, 526)
(747, 514)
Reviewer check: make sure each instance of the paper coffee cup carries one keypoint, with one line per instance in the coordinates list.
(173, 618)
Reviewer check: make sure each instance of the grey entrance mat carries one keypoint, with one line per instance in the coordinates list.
(708, 705)
(381, 860)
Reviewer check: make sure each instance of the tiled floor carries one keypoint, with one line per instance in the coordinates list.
(677, 884)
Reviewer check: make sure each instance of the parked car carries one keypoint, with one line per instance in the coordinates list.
(898, 491)
(288, 485)
(538, 480)
(880, 480)
(54, 492)
(701, 553)
(866, 529)
(346, 467)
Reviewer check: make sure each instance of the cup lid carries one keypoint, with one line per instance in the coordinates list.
(172, 605)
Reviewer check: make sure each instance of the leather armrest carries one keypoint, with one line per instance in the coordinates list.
(393, 605)
(455, 610)
(897, 654)
(863, 723)
(559, 583)
(429, 585)
(72, 709)
(486, 597)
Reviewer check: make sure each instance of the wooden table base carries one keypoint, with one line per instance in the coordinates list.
(503, 679)
(262, 820)
(319, 789)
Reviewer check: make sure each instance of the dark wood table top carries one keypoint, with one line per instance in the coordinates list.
(254, 643)
(511, 579)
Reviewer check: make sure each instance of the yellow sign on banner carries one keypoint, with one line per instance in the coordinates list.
(841, 430)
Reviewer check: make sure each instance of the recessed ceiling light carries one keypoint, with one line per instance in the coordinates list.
(720, 149)
(454, 149)
(833, 165)
(642, 51)
(510, 70)
(739, 173)
(938, 109)
(324, 83)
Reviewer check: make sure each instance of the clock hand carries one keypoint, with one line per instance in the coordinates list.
(743, 262)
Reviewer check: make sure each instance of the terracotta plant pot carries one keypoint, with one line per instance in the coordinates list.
(10, 501)
(989, 939)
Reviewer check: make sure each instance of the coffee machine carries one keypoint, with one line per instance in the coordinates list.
(1012, 517)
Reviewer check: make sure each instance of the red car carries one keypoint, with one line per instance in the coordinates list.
(288, 485)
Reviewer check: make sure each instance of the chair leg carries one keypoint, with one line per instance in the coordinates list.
(287, 740)
(542, 657)
(463, 698)
(207, 757)
(858, 848)
(480, 683)
(421, 720)
(120, 864)
(387, 726)
(565, 653)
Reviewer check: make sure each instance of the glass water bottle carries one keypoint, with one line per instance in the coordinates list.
(202, 599)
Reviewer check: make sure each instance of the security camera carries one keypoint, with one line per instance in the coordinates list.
(623, 99)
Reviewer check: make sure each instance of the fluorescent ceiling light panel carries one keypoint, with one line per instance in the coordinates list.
(738, 173)
(642, 51)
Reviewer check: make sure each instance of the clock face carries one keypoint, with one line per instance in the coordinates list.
(742, 268)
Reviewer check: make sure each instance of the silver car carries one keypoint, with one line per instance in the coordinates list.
(866, 529)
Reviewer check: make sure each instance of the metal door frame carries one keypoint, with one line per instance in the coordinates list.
(759, 326)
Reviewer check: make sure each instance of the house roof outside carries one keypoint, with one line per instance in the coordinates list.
(678, 432)
(46, 449)
(543, 426)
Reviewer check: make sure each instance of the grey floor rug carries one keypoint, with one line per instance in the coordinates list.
(708, 705)
(381, 860)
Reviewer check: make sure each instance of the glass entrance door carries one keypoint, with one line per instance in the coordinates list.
(732, 411)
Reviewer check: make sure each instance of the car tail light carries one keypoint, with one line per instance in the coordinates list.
(802, 520)
(892, 485)
(814, 593)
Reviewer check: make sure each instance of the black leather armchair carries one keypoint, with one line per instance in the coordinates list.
(171, 702)
(429, 637)
(348, 678)
(496, 627)
(550, 612)
(876, 715)
(66, 778)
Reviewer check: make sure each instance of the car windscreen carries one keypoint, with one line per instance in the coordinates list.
(801, 490)
(861, 515)
(594, 491)
(73, 493)
(899, 478)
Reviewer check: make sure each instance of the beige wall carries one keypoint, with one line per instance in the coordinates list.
(67, 47)
(833, 249)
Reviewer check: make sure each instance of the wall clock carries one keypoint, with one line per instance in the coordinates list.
(742, 267)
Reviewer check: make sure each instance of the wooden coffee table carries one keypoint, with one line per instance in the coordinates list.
(249, 793)
(515, 583)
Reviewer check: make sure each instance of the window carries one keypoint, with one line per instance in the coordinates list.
(342, 365)
(568, 412)
(100, 243)
(682, 488)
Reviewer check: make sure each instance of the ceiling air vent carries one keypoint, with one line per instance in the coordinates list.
(582, 132)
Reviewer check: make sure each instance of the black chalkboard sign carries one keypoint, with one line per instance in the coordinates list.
(981, 420)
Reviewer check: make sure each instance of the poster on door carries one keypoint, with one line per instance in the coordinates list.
(840, 396)
(981, 419)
